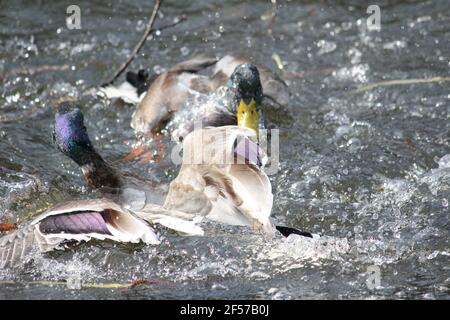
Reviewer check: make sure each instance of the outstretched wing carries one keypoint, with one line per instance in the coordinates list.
(74, 221)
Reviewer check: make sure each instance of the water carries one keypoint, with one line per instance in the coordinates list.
(370, 170)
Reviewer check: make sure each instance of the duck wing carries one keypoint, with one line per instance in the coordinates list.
(169, 92)
(74, 221)
(214, 184)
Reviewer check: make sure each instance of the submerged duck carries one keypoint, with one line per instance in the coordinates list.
(85, 220)
(171, 91)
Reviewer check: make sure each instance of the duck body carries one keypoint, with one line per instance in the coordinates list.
(221, 182)
(180, 88)
(169, 92)
(216, 188)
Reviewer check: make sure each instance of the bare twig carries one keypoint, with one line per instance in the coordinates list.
(140, 282)
(138, 47)
(93, 285)
(33, 70)
(400, 82)
(176, 21)
(273, 16)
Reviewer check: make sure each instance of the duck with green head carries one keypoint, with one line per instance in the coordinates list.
(241, 105)
(175, 93)
(71, 137)
(217, 191)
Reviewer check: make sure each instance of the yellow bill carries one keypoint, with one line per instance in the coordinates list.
(248, 116)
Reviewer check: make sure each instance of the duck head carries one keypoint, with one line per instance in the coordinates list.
(70, 135)
(247, 94)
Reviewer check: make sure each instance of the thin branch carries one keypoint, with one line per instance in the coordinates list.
(93, 285)
(63, 283)
(400, 82)
(273, 16)
(138, 47)
(33, 70)
(176, 21)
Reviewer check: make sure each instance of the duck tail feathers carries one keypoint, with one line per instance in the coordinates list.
(133, 89)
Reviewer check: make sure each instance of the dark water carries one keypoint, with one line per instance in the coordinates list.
(370, 169)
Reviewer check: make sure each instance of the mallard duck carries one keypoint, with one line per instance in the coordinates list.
(171, 91)
(84, 220)
(71, 138)
(229, 192)
(221, 178)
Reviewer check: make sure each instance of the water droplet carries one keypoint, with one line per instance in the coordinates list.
(174, 37)
(158, 33)
(444, 162)
(326, 46)
(184, 51)
(140, 26)
(354, 143)
(444, 203)
(221, 29)
(397, 212)
(157, 69)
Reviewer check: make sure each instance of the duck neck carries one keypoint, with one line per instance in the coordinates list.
(99, 174)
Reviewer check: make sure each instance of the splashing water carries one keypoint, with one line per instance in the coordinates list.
(370, 171)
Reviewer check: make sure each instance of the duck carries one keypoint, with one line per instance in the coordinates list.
(235, 192)
(71, 138)
(221, 178)
(161, 97)
(78, 221)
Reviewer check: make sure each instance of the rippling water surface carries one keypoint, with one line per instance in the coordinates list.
(368, 169)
